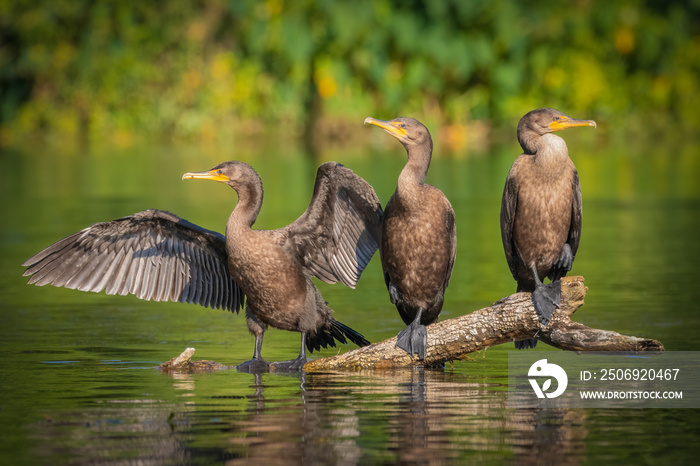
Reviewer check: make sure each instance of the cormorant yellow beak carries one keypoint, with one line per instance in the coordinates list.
(214, 175)
(395, 128)
(563, 122)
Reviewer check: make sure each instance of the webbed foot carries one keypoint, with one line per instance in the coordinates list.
(525, 344)
(254, 366)
(293, 365)
(566, 259)
(394, 293)
(546, 299)
(414, 339)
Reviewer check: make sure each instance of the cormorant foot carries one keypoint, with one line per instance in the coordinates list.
(525, 344)
(566, 259)
(254, 366)
(293, 365)
(394, 294)
(413, 339)
(546, 298)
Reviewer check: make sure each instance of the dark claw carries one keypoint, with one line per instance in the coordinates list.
(566, 258)
(525, 344)
(394, 293)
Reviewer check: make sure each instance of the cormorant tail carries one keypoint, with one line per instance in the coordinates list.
(326, 337)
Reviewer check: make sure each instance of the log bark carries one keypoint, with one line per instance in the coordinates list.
(511, 318)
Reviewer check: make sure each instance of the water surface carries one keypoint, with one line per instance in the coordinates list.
(78, 380)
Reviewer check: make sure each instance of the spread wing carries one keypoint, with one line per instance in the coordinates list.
(576, 215)
(153, 255)
(338, 234)
(509, 204)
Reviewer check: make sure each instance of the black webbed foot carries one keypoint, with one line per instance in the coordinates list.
(414, 339)
(566, 258)
(546, 298)
(293, 365)
(525, 344)
(254, 366)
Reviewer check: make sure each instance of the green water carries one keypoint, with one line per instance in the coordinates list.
(77, 381)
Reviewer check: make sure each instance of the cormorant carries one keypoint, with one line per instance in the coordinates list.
(541, 210)
(419, 238)
(156, 255)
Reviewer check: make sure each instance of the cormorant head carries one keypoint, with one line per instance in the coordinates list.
(411, 132)
(541, 121)
(233, 173)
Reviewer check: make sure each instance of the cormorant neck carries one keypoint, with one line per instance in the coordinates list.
(552, 154)
(545, 144)
(530, 141)
(416, 168)
(552, 145)
(250, 197)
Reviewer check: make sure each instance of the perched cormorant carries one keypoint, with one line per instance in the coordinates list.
(157, 255)
(541, 210)
(419, 238)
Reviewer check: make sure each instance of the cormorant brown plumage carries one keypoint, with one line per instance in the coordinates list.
(157, 255)
(419, 238)
(541, 210)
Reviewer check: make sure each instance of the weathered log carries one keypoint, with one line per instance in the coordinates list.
(511, 318)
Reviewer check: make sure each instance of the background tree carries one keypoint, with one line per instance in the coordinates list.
(116, 70)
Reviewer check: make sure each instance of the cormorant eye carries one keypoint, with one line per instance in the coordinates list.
(403, 125)
(220, 171)
(556, 118)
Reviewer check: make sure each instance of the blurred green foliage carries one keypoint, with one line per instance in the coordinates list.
(115, 70)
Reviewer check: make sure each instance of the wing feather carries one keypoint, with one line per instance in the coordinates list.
(340, 231)
(576, 215)
(509, 204)
(153, 255)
